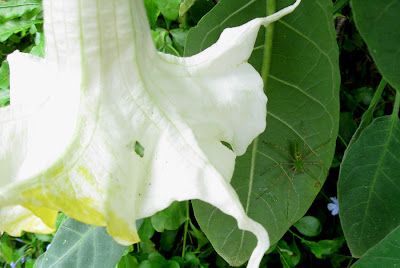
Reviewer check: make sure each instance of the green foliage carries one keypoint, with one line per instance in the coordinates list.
(4, 84)
(170, 218)
(385, 254)
(299, 87)
(368, 191)
(379, 26)
(17, 8)
(309, 226)
(169, 8)
(77, 245)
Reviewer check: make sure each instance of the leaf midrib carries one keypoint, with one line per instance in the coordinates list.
(378, 170)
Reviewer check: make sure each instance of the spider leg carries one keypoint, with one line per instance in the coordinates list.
(288, 198)
(277, 165)
(312, 175)
(276, 181)
(317, 164)
(304, 135)
(316, 150)
(280, 148)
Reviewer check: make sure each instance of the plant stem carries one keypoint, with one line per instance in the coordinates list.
(396, 106)
(378, 94)
(342, 140)
(367, 117)
(339, 5)
(185, 230)
(269, 33)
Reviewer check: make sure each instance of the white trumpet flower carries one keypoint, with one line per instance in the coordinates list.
(67, 141)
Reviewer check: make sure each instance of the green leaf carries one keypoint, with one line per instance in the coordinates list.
(315, 248)
(179, 39)
(39, 49)
(378, 24)
(167, 239)
(146, 230)
(6, 252)
(4, 97)
(385, 254)
(128, 261)
(4, 75)
(15, 26)
(152, 12)
(170, 218)
(330, 246)
(43, 237)
(303, 108)
(80, 245)
(157, 260)
(309, 226)
(169, 8)
(290, 254)
(368, 187)
(17, 8)
(191, 258)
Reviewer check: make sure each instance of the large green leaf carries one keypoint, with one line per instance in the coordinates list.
(302, 89)
(379, 24)
(80, 245)
(368, 186)
(16, 8)
(384, 254)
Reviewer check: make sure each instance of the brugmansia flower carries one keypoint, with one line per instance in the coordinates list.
(108, 130)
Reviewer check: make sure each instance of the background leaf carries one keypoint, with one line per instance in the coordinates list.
(368, 188)
(309, 226)
(379, 24)
(170, 218)
(80, 245)
(385, 254)
(17, 8)
(15, 26)
(152, 12)
(4, 75)
(169, 8)
(303, 107)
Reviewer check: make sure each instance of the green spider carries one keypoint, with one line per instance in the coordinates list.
(297, 166)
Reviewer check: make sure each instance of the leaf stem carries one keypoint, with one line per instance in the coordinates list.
(185, 230)
(377, 94)
(367, 117)
(396, 106)
(269, 33)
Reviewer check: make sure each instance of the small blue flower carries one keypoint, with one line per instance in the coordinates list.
(13, 264)
(334, 207)
(48, 246)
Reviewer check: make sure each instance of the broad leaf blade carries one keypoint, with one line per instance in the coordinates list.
(379, 25)
(368, 188)
(385, 254)
(80, 245)
(302, 89)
